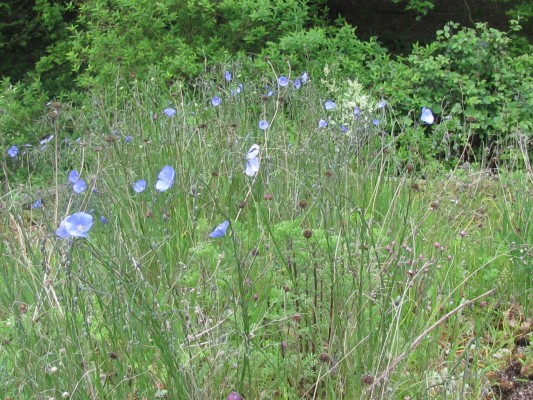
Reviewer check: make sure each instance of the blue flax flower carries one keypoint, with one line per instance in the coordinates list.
(227, 76)
(73, 176)
(169, 112)
(75, 225)
(139, 186)
(166, 179)
(263, 124)
(216, 101)
(37, 203)
(322, 123)
(427, 116)
(329, 105)
(252, 161)
(13, 151)
(80, 186)
(220, 230)
(45, 141)
(297, 84)
(283, 81)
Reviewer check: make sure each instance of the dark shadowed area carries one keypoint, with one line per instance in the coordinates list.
(397, 29)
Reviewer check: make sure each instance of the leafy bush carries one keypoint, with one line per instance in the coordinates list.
(470, 78)
(177, 39)
(315, 48)
(20, 106)
(473, 79)
(28, 30)
(421, 7)
(29, 119)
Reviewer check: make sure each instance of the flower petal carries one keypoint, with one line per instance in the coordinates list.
(220, 230)
(252, 167)
(427, 116)
(253, 152)
(166, 179)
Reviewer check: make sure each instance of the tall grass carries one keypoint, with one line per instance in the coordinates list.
(343, 273)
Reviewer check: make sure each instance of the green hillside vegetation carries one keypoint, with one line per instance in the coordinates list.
(241, 200)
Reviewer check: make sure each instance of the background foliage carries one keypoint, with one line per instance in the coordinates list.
(365, 241)
(514, 8)
(476, 79)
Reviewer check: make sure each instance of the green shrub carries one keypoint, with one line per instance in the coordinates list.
(176, 39)
(315, 48)
(480, 91)
(477, 81)
(28, 117)
(26, 28)
(20, 106)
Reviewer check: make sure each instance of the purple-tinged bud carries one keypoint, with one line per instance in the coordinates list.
(234, 396)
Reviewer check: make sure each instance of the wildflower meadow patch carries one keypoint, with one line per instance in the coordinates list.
(269, 238)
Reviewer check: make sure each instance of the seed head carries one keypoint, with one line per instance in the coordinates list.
(367, 379)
